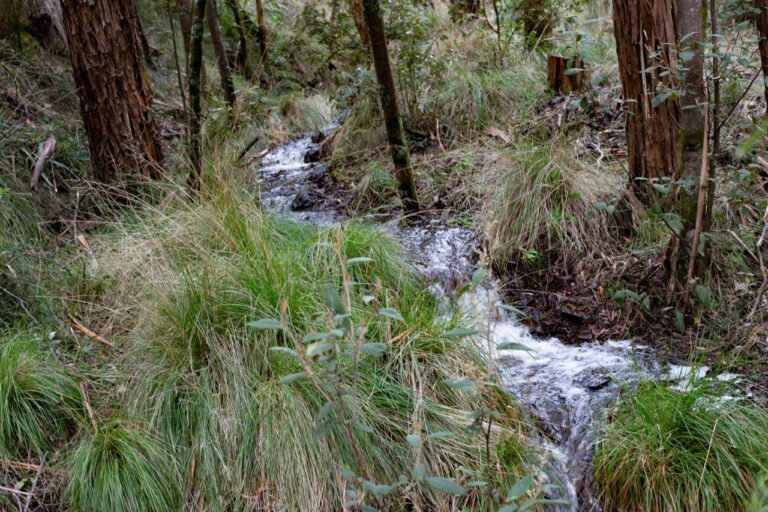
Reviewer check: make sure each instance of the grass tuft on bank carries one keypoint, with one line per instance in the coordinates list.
(692, 451)
(40, 402)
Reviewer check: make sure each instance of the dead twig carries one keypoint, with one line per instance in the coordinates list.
(43, 154)
(22, 304)
(87, 403)
(83, 329)
(34, 483)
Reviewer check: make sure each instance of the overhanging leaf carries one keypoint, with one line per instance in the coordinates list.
(447, 485)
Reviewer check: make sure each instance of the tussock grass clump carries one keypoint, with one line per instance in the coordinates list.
(39, 401)
(122, 469)
(681, 451)
(542, 198)
(210, 387)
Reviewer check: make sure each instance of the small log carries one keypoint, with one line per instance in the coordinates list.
(566, 75)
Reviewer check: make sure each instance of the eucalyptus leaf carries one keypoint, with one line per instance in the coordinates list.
(266, 324)
(447, 485)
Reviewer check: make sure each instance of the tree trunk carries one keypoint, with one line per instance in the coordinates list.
(46, 23)
(539, 18)
(146, 49)
(261, 35)
(762, 31)
(194, 80)
(358, 16)
(389, 106)
(241, 61)
(114, 93)
(692, 102)
(221, 53)
(645, 43)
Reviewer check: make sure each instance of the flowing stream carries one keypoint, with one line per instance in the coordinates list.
(567, 388)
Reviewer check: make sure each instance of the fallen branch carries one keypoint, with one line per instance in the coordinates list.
(763, 163)
(248, 147)
(83, 329)
(13, 491)
(43, 154)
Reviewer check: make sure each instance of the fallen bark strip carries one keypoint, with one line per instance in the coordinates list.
(43, 155)
(83, 329)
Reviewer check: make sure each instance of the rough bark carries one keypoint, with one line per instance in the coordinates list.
(645, 44)
(221, 53)
(241, 61)
(389, 105)
(194, 80)
(114, 92)
(358, 16)
(261, 35)
(762, 31)
(692, 101)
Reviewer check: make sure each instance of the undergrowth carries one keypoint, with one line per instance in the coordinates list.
(40, 401)
(122, 469)
(690, 450)
(210, 387)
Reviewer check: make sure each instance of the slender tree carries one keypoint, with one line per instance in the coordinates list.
(692, 102)
(195, 100)
(389, 105)
(185, 22)
(762, 32)
(221, 53)
(358, 16)
(261, 35)
(115, 97)
(645, 43)
(241, 60)
(146, 49)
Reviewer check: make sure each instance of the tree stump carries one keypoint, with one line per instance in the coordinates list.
(566, 75)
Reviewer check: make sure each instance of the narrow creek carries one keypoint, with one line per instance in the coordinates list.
(567, 388)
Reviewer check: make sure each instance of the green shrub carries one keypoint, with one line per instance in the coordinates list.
(122, 469)
(39, 401)
(681, 451)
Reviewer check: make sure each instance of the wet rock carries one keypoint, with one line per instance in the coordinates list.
(319, 176)
(317, 137)
(311, 156)
(574, 316)
(595, 380)
(305, 199)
